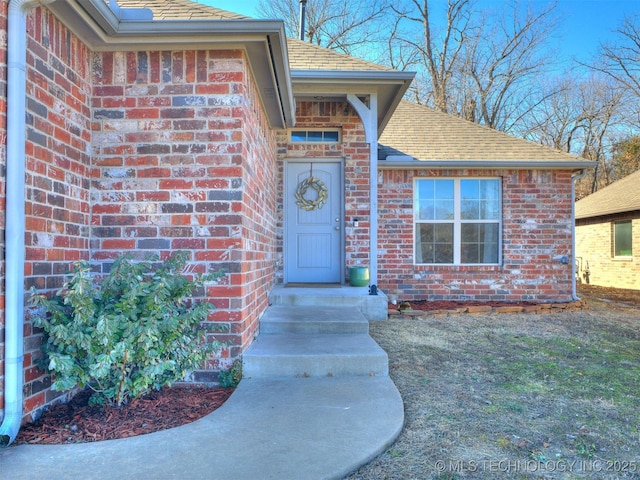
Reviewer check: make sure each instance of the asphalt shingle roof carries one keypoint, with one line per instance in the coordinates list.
(180, 10)
(427, 134)
(621, 196)
(306, 56)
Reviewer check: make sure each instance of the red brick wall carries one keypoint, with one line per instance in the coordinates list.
(594, 253)
(184, 160)
(354, 151)
(536, 232)
(149, 152)
(58, 167)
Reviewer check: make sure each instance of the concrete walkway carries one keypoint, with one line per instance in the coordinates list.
(315, 403)
(295, 428)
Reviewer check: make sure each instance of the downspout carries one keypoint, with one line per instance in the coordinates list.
(574, 178)
(15, 216)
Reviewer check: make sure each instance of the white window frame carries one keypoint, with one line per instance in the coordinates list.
(457, 221)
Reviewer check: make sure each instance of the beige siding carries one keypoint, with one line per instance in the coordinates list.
(594, 254)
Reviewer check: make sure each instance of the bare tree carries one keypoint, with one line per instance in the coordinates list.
(439, 50)
(479, 65)
(621, 59)
(352, 27)
(583, 117)
(625, 158)
(505, 60)
(557, 120)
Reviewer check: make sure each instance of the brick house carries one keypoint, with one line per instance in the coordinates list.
(156, 126)
(607, 241)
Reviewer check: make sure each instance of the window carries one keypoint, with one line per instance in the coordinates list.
(315, 136)
(457, 221)
(622, 239)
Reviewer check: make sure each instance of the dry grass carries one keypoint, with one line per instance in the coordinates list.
(516, 396)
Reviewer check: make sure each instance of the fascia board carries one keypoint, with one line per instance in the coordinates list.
(402, 163)
(100, 12)
(607, 212)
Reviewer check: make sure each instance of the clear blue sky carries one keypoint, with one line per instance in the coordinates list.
(585, 22)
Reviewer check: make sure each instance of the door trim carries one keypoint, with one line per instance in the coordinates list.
(287, 205)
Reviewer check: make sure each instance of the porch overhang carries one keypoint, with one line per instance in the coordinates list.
(388, 86)
(106, 27)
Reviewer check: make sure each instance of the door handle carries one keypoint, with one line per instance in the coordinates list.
(337, 228)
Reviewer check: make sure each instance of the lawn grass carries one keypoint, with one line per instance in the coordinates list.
(553, 396)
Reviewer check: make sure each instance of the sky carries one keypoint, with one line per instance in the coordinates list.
(585, 23)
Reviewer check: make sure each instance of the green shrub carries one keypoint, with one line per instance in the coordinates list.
(231, 378)
(136, 330)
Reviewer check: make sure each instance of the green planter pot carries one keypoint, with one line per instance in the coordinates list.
(359, 276)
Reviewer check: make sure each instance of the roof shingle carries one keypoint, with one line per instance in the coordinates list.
(427, 134)
(306, 56)
(180, 10)
(619, 197)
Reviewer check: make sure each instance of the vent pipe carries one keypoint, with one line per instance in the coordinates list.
(303, 18)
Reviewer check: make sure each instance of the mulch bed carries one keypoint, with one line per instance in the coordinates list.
(446, 308)
(429, 305)
(584, 291)
(78, 422)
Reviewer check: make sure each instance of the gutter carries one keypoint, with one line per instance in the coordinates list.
(358, 76)
(15, 217)
(574, 269)
(403, 163)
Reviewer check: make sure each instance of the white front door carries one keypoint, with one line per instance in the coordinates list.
(313, 222)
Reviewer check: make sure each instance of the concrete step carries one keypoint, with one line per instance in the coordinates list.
(312, 355)
(312, 320)
(373, 307)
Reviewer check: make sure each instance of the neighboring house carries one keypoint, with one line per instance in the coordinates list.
(608, 235)
(156, 126)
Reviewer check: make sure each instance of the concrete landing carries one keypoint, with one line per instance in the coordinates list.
(304, 428)
(373, 307)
